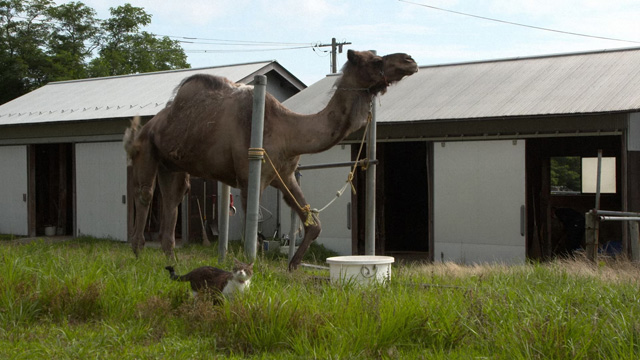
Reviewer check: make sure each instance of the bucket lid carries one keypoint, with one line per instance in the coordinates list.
(361, 259)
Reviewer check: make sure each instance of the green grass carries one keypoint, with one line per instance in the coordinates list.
(9, 237)
(89, 298)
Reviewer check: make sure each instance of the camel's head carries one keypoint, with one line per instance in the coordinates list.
(366, 70)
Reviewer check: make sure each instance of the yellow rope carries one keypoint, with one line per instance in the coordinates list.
(260, 153)
(307, 208)
(364, 167)
(256, 153)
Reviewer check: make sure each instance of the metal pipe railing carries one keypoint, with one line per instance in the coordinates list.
(619, 218)
(617, 213)
(362, 162)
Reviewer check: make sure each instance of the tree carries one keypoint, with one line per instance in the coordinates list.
(42, 42)
(23, 35)
(74, 36)
(126, 50)
(566, 173)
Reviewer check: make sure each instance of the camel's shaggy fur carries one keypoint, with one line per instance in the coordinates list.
(205, 131)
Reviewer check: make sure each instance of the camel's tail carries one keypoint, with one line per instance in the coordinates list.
(130, 144)
(172, 274)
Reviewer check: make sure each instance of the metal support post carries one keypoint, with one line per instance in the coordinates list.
(294, 225)
(370, 201)
(598, 179)
(255, 167)
(223, 220)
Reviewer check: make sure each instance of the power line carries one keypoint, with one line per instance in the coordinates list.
(217, 51)
(519, 24)
(336, 47)
(237, 44)
(196, 40)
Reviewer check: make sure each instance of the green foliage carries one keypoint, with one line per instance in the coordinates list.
(566, 173)
(23, 36)
(89, 298)
(42, 42)
(73, 37)
(126, 50)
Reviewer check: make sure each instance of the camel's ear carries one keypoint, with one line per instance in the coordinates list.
(353, 56)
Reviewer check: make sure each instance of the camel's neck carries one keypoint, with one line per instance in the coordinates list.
(346, 112)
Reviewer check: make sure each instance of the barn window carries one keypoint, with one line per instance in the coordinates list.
(574, 175)
(590, 175)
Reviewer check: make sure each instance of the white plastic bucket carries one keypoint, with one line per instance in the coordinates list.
(361, 269)
(49, 230)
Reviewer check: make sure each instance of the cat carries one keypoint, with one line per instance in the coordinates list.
(218, 281)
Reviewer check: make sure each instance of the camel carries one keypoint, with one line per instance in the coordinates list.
(205, 131)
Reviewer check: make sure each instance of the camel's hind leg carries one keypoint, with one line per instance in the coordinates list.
(144, 169)
(173, 186)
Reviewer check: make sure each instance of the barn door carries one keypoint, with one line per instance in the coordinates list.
(479, 198)
(101, 188)
(13, 192)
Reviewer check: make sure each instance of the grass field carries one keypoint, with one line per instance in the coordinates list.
(90, 298)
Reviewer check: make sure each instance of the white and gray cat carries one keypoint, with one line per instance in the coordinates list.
(218, 281)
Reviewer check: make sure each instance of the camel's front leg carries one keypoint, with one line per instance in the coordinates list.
(144, 169)
(311, 223)
(142, 202)
(173, 186)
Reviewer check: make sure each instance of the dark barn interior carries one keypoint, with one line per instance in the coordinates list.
(556, 215)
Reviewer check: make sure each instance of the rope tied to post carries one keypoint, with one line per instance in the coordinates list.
(261, 154)
(257, 153)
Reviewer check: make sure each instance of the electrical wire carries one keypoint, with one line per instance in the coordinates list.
(519, 24)
(217, 51)
(196, 40)
(251, 45)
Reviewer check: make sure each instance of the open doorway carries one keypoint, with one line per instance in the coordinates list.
(560, 190)
(402, 201)
(52, 188)
(199, 215)
(152, 226)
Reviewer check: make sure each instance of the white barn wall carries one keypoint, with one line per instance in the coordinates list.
(101, 183)
(479, 189)
(13, 207)
(320, 187)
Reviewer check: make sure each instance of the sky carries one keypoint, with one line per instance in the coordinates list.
(431, 36)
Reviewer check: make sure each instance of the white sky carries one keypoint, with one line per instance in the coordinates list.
(430, 36)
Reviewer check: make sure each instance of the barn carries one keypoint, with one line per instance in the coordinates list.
(473, 159)
(63, 165)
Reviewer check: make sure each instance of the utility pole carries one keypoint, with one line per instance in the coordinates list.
(336, 47)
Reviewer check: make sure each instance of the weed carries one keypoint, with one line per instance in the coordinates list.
(91, 298)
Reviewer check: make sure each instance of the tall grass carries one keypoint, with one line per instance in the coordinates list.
(90, 298)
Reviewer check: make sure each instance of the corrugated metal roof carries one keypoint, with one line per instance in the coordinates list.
(564, 84)
(113, 97)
